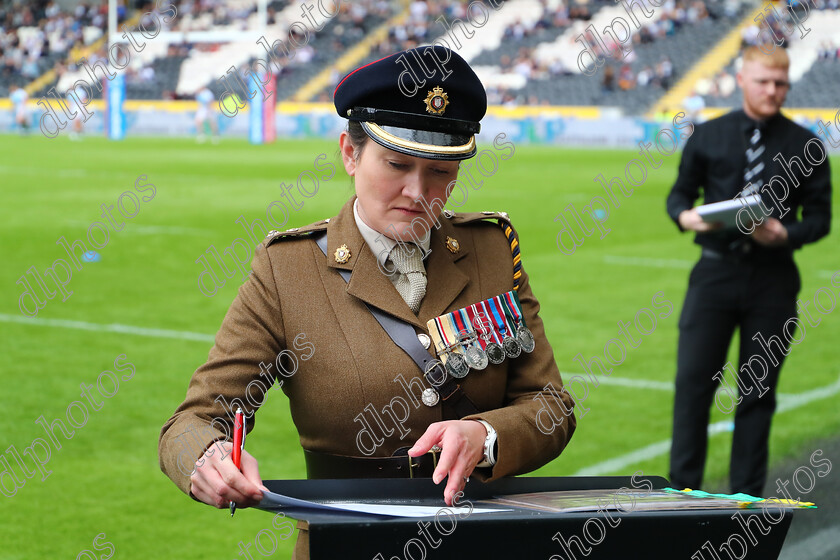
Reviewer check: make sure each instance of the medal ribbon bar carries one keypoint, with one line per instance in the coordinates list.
(497, 317)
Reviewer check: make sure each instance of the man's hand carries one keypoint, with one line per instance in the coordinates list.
(691, 220)
(771, 233)
(217, 482)
(462, 442)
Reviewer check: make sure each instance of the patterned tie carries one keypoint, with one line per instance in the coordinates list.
(755, 164)
(411, 283)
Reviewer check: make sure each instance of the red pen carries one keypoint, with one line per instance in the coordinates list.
(238, 446)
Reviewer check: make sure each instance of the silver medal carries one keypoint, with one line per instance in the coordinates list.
(476, 358)
(457, 366)
(495, 353)
(526, 339)
(512, 347)
(430, 397)
(473, 354)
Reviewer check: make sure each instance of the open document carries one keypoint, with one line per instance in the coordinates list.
(278, 501)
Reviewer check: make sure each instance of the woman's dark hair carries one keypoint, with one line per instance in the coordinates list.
(358, 137)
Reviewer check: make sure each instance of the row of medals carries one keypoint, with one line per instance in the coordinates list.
(458, 364)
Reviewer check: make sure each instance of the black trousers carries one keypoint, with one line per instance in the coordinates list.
(758, 298)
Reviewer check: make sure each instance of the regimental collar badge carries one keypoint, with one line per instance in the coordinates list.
(452, 244)
(342, 254)
(436, 101)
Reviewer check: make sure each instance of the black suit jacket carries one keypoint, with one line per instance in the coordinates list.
(714, 159)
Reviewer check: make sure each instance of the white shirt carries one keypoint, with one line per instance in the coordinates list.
(19, 98)
(205, 97)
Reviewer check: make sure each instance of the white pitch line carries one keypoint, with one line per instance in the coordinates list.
(649, 262)
(666, 386)
(111, 327)
(634, 383)
(637, 383)
(644, 453)
(165, 230)
(790, 402)
(42, 171)
(71, 172)
(624, 381)
(675, 263)
(152, 230)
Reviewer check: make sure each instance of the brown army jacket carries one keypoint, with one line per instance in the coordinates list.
(296, 300)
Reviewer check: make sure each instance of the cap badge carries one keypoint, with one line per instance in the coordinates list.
(452, 244)
(342, 254)
(436, 101)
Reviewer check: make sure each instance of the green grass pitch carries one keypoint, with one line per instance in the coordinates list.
(106, 478)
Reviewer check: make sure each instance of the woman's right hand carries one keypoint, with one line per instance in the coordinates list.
(217, 482)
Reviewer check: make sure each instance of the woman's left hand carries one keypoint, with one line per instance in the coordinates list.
(462, 444)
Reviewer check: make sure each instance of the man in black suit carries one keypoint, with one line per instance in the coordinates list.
(746, 276)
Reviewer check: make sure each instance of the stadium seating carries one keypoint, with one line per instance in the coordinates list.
(35, 36)
(815, 67)
(525, 52)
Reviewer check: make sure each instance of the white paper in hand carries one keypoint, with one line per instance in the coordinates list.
(726, 211)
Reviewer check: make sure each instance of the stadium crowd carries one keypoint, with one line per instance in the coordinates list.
(34, 34)
(37, 35)
(829, 50)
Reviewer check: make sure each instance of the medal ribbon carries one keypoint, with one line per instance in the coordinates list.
(494, 334)
(472, 312)
(517, 306)
(441, 337)
(501, 312)
(451, 330)
(448, 331)
(462, 324)
(510, 314)
(499, 318)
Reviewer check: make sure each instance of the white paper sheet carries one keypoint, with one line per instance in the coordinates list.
(270, 499)
(726, 211)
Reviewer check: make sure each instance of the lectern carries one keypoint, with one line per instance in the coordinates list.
(520, 533)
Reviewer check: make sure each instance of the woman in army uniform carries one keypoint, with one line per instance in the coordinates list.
(376, 294)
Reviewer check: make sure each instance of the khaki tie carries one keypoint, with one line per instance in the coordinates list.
(411, 283)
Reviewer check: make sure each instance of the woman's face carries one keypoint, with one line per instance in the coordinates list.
(390, 187)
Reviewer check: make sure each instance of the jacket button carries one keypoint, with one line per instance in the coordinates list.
(424, 340)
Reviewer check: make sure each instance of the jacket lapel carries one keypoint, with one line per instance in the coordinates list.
(367, 282)
(445, 281)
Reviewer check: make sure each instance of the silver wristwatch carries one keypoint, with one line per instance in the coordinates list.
(489, 446)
